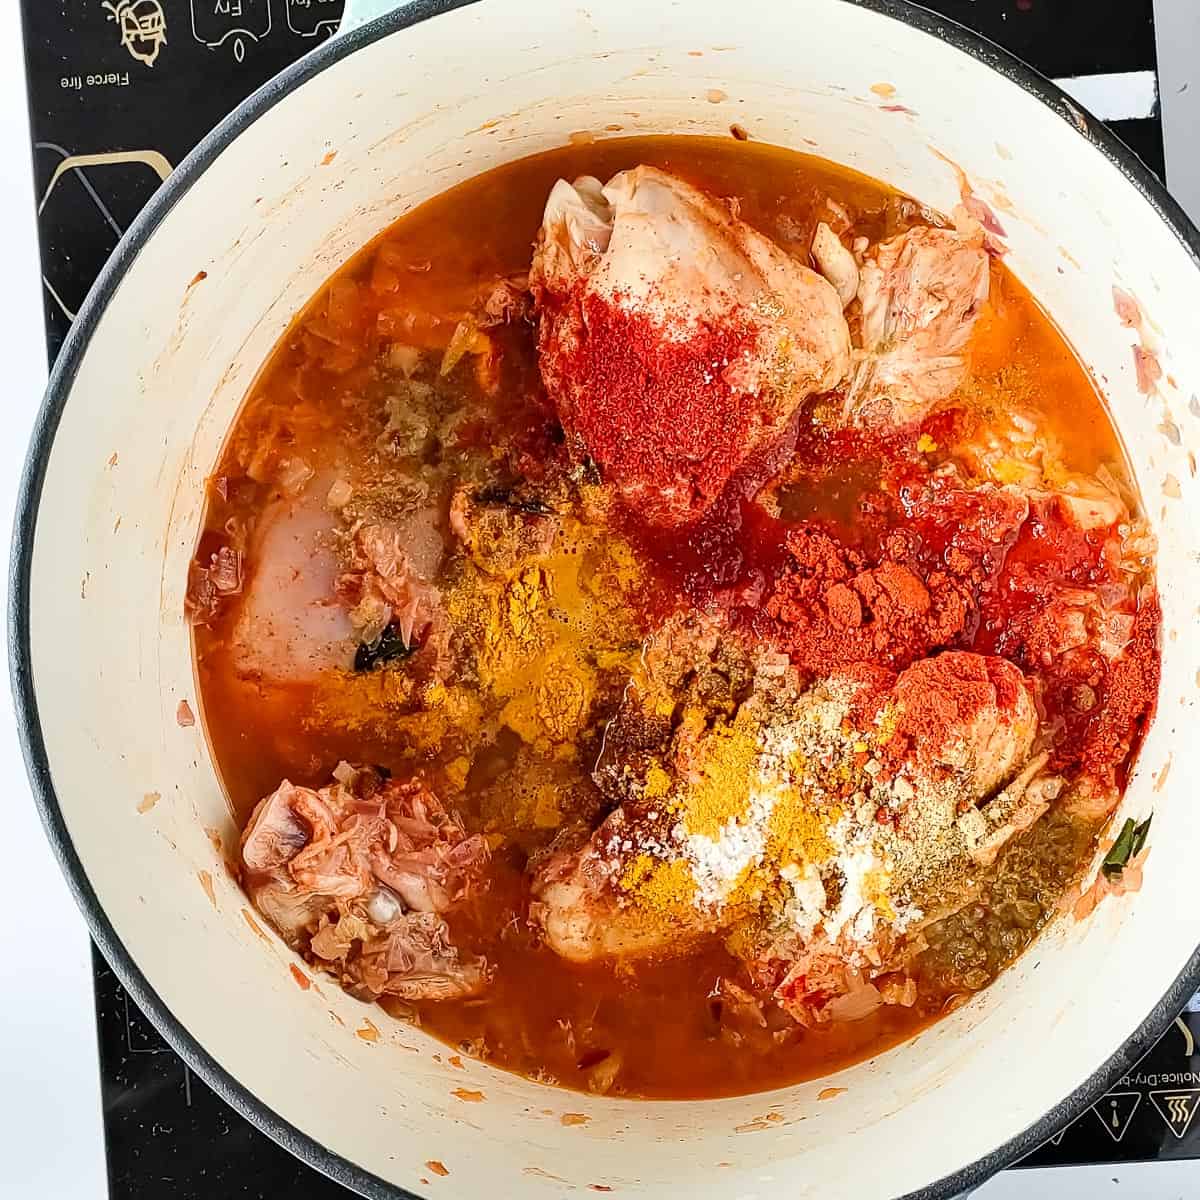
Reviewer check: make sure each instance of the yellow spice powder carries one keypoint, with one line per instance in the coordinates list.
(553, 710)
(1009, 470)
(658, 783)
(534, 796)
(545, 625)
(452, 711)
(796, 832)
(888, 722)
(358, 703)
(385, 703)
(504, 621)
(456, 772)
(546, 811)
(666, 888)
(514, 633)
(730, 755)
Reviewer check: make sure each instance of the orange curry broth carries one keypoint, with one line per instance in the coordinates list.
(542, 1015)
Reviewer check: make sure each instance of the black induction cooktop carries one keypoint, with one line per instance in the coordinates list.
(120, 91)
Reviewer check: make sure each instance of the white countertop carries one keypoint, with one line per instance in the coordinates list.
(51, 1142)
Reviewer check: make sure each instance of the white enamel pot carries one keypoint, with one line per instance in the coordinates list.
(393, 111)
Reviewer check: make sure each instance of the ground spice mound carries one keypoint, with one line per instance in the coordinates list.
(1128, 697)
(834, 607)
(664, 888)
(721, 792)
(657, 410)
(949, 692)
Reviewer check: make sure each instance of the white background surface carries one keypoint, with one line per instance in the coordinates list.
(51, 1144)
(50, 1129)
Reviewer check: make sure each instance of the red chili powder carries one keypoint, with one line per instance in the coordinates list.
(948, 692)
(977, 570)
(1128, 696)
(1023, 614)
(658, 414)
(1037, 617)
(834, 607)
(921, 589)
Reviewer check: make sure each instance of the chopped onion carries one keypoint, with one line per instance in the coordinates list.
(466, 339)
(836, 263)
(603, 1074)
(370, 617)
(344, 305)
(294, 473)
(904, 994)
(404, 359)
(339, 494)
(226, 571)
(384, 906)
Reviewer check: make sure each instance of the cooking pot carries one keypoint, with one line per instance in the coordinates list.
(391, 112)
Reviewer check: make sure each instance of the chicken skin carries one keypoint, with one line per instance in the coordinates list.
(674, 340)
(358, 873)
(921, 294)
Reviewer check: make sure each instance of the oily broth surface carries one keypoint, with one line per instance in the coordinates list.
(541, 1015)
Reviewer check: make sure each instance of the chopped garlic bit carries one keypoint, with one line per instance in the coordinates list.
(339, 494)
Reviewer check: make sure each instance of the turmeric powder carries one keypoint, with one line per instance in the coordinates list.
(657, 784)
(543, 636)
(719, 796)
(797, 832)
(551, 713)
(665, 888)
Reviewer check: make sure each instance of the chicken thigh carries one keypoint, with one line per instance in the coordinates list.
(829, 799)
(674, 340)
(921, 294)
(577, 901)
(359, 873)
(291, 625)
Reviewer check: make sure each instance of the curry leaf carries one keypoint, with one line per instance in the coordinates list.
(388, 647)
(1128, 846)
(1140, 834)
(508, 498)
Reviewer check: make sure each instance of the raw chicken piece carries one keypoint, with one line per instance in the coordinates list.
(358, 873)
(580, 906)
(291, 626)
(674, 340)
(821, 986)
(579, 909)
(959, 726)
(1091, 508)
(1011, 811)
(1083, 593)
(983, 711)
(921, 294)
(304, 614)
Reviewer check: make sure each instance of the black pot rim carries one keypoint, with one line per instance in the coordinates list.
(62, 377)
